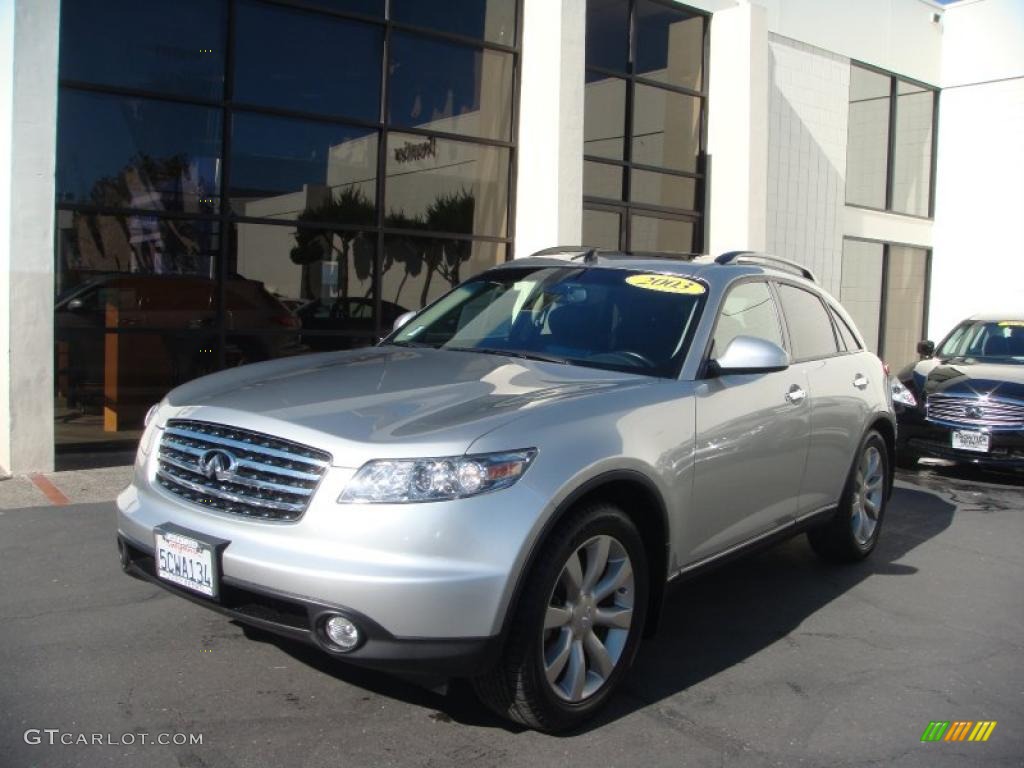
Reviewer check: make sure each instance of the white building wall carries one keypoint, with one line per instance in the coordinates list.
(978, 262)
(807, 156)
(28, 120)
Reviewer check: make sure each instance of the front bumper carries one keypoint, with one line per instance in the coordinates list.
(428, 584)
(926, 438)
(302, 620)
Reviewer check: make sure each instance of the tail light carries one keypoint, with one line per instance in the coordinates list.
(288, 321)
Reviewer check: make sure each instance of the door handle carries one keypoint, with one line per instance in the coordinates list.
(796, 395)
(860, 381)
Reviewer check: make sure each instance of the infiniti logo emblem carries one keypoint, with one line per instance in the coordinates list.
(217, 464)
(974, 412)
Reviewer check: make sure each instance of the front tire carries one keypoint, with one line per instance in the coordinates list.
(853, 532)
(577, 626)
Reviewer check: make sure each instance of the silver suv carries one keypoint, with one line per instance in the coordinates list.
(503, 487)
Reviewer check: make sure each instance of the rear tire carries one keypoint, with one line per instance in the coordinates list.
(851, 535)
(577, 626)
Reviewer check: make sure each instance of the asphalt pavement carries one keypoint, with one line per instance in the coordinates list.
(776, 660)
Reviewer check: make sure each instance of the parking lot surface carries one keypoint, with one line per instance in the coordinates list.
(775, 660)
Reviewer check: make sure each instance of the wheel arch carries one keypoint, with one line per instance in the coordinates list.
(637, 496)
(885, 427)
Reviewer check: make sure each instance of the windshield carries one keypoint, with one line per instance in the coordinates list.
(601, 318)
(995, 342)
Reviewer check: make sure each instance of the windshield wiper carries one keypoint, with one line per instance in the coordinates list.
(512, 353)
(422, 344)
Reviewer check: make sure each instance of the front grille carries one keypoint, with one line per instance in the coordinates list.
(974, 411)
(238, 471)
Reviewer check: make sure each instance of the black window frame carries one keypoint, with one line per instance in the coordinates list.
(890, 163)
(624, 206)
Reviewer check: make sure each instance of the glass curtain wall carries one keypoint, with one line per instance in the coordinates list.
(891, 144)
(644, 161)
(885, 290)
(240, 180)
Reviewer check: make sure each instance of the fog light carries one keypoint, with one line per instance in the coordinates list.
(342, 632)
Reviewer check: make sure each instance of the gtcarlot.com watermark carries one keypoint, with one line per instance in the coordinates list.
(57, 737)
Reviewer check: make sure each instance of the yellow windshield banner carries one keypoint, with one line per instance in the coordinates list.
(1012, 323)
(666, 284)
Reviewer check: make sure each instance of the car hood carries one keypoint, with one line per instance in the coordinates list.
(387, 402)
(961, 376)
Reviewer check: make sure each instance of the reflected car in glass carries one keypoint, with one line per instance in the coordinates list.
(502, 488)
(964, 400)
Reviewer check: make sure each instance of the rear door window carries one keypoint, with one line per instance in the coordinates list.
(810, 328)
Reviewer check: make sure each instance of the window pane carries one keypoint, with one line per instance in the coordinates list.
(810, 328)
(309, 270)
(904, 304)
(491, 20)
(137, 153)
(446, 186)
(307, 62)
(912, 151)
(748, 310)
(92, 250)
(366, 7)
(284, 168)
(601, 228)
(670, 44)
(602, 180)
(449, 87)
(172, 47)
(663, 189)
(106, 380)
(666, 128)
(861, 289)
(608, 34)
(604, 119)
(417, 270)
(652, 234)
(868, 141)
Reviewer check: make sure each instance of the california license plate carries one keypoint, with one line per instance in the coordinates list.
(186, 561)
(965, 440)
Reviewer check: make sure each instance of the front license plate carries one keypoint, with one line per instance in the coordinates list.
(186, 561)
(971, 441)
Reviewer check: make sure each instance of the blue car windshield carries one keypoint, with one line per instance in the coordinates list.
(596, 317)
(999, 341)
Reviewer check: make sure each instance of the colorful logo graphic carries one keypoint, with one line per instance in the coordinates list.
(958, 730)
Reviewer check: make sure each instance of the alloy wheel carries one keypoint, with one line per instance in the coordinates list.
(867, 495)
(588, 618)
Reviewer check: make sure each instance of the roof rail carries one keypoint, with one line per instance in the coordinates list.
(766, 260)
(589, 253)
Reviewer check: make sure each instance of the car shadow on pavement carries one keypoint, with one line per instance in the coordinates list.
(708, 624)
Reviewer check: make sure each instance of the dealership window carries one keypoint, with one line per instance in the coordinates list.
(890, 156)
(241, 180)
(645, 110)
(885, 289)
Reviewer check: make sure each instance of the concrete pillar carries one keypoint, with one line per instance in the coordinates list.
(28, 119)
(738, 128)
(549, 186)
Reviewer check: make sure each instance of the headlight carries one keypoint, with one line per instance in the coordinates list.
(150, 414)
(902, 395)
(399, 481)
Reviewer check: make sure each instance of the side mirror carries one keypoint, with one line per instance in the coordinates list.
(403, 318)
(746, 354)
(76, 305)
(926, 348)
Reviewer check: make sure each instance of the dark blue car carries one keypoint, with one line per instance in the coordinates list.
(964, 400)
